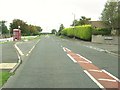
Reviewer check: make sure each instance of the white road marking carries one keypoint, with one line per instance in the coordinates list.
(83, 62)
(27, 54)
(94, 79)
(98, 49)
(72, 58)
(20, 52)
(68, 49)
(111, 75)
(7, 65)
(64, 49)
(31, 49)
(84, 58)
(109, 80)
(95, 70)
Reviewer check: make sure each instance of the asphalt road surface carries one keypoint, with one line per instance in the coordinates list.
(9, 54)
(48, 66)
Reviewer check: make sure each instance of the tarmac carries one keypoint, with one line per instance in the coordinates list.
(10, 58)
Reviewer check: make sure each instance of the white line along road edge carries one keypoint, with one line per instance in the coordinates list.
(94, 80)
(20, 52)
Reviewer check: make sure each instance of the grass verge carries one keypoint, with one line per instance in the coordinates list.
(4, 75)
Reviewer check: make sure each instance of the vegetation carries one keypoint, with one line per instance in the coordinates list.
(54, 31)
(3, 29)
(83, 32)
(82, 21)
(110, 14)
(25, 28)
(60, 29)
(4, 75)
(101, 31)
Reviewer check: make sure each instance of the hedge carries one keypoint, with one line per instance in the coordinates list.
(101, 31)
(83, 32)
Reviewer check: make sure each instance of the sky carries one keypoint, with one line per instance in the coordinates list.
(49, 14)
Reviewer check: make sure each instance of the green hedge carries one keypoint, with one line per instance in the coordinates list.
(83, 32)
(101, 31)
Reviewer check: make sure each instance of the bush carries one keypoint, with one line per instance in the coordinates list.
(101, 31)
(83, 32)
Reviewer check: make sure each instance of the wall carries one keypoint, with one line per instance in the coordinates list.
(105, 39)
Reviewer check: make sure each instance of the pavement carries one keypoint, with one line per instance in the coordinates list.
(8, 57)
(48, 66)
(113, 48)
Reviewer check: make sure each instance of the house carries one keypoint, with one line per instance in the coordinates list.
(98, 24)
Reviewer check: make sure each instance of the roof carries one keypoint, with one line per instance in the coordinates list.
(98, 24)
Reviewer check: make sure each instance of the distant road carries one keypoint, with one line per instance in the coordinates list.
(51, 65)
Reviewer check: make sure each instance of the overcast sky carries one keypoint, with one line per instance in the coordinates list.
(49, 14)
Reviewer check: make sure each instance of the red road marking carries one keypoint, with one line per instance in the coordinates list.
(103, 78)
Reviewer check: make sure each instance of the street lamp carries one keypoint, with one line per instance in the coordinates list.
(18, 27)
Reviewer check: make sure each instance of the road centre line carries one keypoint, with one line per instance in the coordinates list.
(27, 54)
(84, 58)
(31, 49)
(72, 58)
(94, 79)
(109, 80)
(111, 75)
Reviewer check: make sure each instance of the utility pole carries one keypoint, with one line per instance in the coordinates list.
(74, 24)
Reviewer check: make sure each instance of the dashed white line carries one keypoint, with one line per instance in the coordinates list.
(94, 79)
(27, 54)
(30, 50)
(111, 75)
(109, 80)
(72, 58)
(84, 58)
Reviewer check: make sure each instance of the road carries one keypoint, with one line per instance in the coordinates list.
(9, 54)
(48, 66)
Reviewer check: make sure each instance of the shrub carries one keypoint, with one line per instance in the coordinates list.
(82, 32)
(101, 31)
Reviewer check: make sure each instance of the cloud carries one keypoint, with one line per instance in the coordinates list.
(50, 14)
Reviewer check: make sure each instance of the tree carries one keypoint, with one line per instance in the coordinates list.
(82, 21)
(60, 29)
(3, 27)
(75, 23)
(17, 22)
(110, 14)
(25, 28)
(54, 31)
